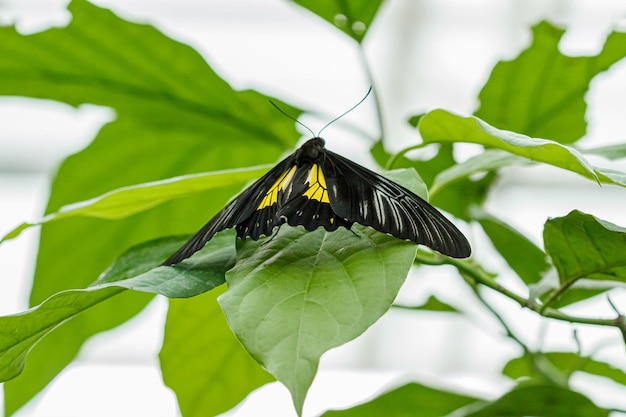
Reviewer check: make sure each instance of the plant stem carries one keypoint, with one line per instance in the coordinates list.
(480, 276)
(370, 78)
(392, 161)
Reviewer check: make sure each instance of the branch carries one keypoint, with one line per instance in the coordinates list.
(470, 270)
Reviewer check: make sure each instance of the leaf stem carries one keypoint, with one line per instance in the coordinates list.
(557, 293)
(394, 158)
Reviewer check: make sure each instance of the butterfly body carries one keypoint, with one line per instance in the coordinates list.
(315, 187)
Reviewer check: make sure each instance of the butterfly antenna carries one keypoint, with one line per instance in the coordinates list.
(291, 117)
(346, 112)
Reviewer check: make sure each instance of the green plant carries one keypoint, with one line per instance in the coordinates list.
(294, 298)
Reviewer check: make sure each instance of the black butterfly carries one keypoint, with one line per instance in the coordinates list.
(315, 187)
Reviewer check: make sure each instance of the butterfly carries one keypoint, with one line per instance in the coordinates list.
(315, 187)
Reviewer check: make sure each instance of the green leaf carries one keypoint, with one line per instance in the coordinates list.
(440, 126)
(126, 201)
(582, 246)
(353, 17)
(524, 257)
(202, 361)
(293, 298)
(431, 304)
(175, 116)
(541, 401)
(565, 362)
(137, 269)
(609, 152)
(19, 333)
(408, 401)
(489, 160)
(541, 93)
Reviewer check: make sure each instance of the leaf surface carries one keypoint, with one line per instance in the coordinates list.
(138, 270)
(175, 116)
(541, 93)
(295, 297)
(202, 361)
(440, 126)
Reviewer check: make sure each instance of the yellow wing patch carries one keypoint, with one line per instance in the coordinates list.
(271, 197)
(317, 185)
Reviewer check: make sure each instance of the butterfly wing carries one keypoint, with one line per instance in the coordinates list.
(362, 196)
(259, 200)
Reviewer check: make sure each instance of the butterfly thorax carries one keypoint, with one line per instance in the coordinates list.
(310, 151)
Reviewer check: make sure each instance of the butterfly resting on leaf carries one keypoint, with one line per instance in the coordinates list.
(315, 187)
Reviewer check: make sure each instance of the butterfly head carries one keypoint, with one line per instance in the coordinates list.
(310, 151)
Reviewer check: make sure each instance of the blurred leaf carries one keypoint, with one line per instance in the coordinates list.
(408, 401)
(353, 17)
(578, 292)
(527, 260)
(126, 201)
(610, 151)
(541, 93)
(175, 117)
(440, 126)
(566, 362)
(202, 361)
(540, 401)
(582, 246)
(137, 269)
(431, 304)
(489, 160)
(294, 297)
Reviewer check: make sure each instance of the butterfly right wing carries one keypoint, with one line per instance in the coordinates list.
(261, 197)
(362, 196)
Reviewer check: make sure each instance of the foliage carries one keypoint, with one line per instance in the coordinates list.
(295, 297)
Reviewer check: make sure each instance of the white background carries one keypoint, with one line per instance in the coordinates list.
(424, 54)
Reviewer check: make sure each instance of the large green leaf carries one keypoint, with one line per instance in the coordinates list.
(202, 360)
(137, 269)
(351, 16)
(440, 126)
(126, 201)
(541, 93)
(293, 298)
(408, 401)
(541, 401)
(583, 246)
(175, 116)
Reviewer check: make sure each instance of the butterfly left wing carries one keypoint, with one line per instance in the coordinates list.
(258, 202)
(362, 196)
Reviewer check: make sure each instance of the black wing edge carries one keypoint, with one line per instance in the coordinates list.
(357, 194)
(235, 212)
(222, 220)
